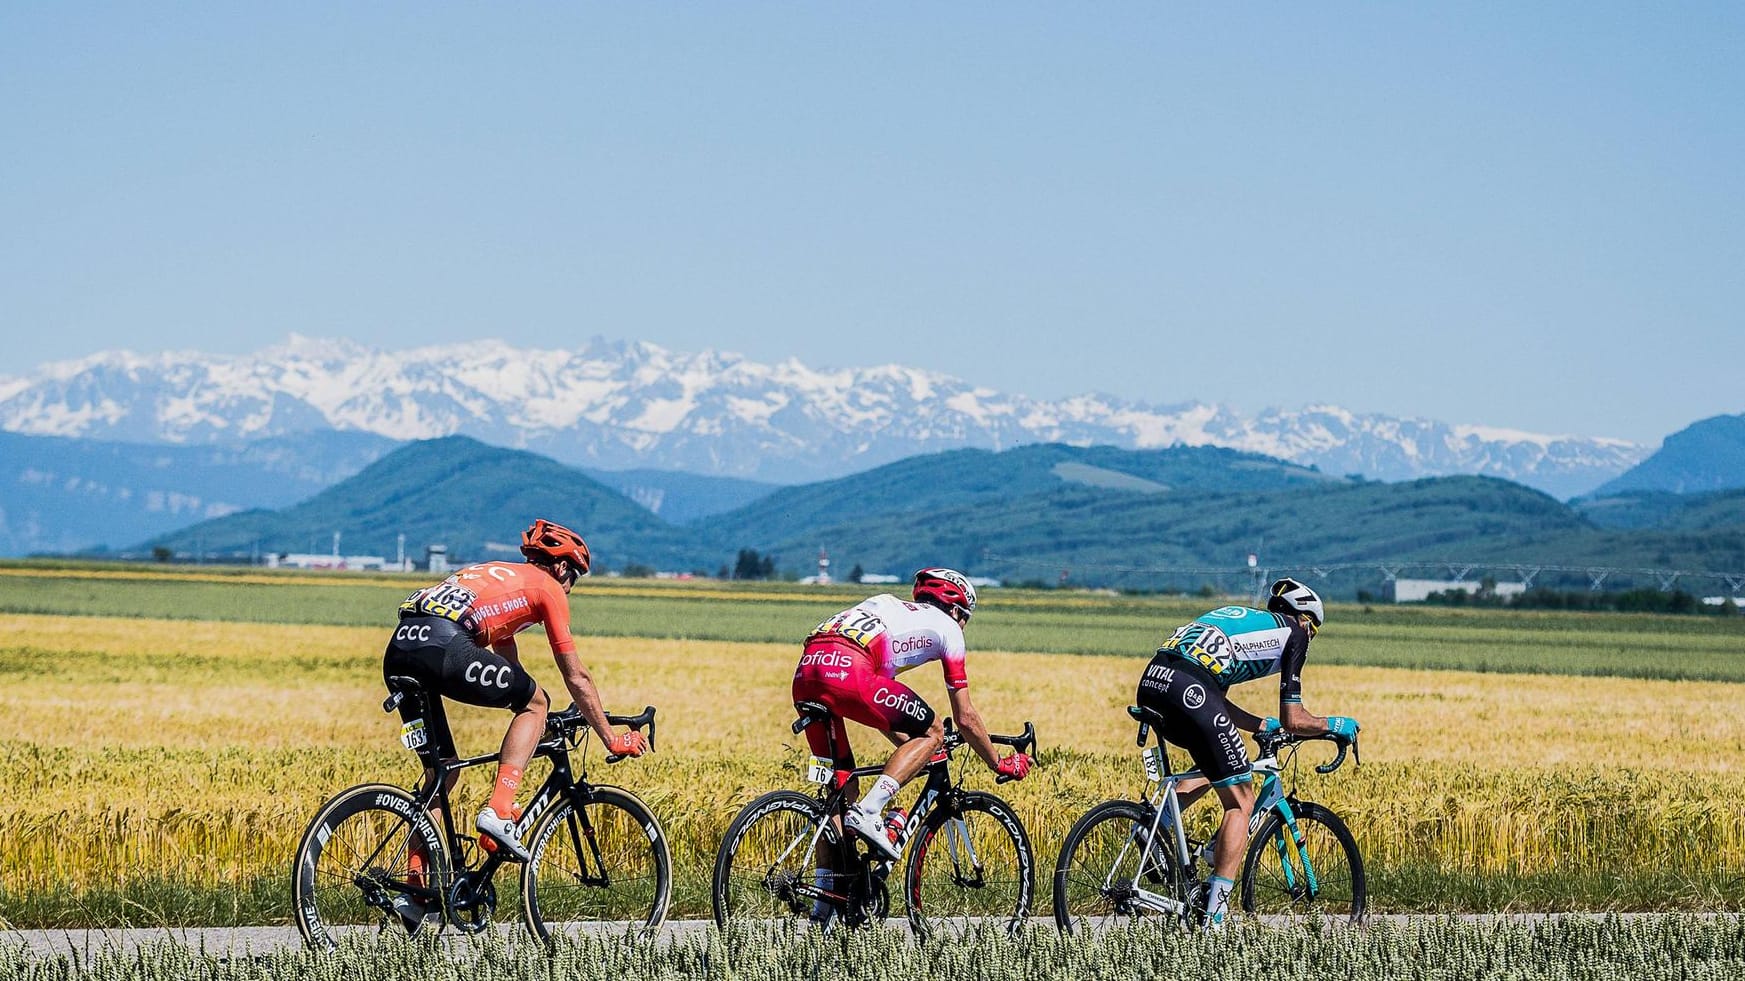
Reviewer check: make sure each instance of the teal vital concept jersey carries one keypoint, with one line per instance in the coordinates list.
(1236, 644)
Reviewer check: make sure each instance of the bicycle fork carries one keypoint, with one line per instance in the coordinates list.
(1293, 855)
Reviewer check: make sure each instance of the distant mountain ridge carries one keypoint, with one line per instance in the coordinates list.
(1708, 455)
(1107, 516)
(616, 406)
(69, 495)
(454, 491)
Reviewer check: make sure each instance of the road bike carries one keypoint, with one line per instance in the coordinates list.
(374, 859)
(787, 857)
(1129, 859)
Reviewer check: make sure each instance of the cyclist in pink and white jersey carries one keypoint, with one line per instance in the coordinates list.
(851, 663)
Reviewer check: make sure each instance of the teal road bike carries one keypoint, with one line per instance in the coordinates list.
(1128, 860)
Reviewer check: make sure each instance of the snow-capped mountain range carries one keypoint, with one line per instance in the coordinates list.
(618, 405)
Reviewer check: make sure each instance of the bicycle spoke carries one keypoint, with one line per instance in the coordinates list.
(970, 867)
(597, 864)
(1105, 876)
(1323, 877)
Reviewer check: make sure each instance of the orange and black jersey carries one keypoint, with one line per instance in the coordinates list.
(494, 601)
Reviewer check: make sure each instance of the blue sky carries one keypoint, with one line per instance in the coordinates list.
(1523, 215)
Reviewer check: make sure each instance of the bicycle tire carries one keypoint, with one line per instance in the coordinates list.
(768, 848)
(1338, 890)
(606, 862)
(353, 861)
(1097, 878)
(971, 863)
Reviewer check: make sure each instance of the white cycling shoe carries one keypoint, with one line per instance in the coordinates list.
(871, 829)
(502, 831)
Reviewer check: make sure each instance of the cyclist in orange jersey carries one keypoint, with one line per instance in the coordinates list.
(458, 638)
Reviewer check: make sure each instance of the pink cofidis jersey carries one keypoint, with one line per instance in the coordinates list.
(898, 635)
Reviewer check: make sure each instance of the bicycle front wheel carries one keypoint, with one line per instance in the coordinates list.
(370, 861)
(971, 863)
(602, 861)
(1316, 872)
(1112, 871)
(773, 852)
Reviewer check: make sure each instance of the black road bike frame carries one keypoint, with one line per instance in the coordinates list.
(469, 898)
(869, 868)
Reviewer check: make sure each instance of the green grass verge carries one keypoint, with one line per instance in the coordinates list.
(1710, 648)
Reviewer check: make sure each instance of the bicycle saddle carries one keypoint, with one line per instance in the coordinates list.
(810, 712)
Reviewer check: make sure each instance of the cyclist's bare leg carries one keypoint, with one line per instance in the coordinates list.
(1188, 791)
(1238, 801)
(518, 745)
(418, 860)
(910, 756)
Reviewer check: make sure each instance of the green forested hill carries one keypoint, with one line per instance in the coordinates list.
(943, 482)
(474, 498)
(1114, 537)
(1109, 517)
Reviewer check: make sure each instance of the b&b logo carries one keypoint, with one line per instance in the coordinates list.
(1194, 697)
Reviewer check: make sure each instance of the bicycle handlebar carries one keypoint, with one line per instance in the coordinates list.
(1024, 742)
(564, 724)
(635, 722)
(1272, 742)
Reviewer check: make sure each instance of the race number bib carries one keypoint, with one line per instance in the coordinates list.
(857, 626)
(820, 770)
(1203, 643)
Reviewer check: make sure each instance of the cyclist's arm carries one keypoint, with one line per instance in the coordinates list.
(1297, 721)
(969, 722)
(1292, 717)
(1242, 719)
(582, 691)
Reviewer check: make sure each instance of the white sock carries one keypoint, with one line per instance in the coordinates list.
(1217, 898)
(880, 795)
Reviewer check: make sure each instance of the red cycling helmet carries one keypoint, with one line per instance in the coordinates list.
(550, 542)
(946, 589)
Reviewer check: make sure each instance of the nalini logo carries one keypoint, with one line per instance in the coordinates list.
(1194, 697)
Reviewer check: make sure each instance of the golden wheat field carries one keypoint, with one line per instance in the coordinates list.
(197, 751)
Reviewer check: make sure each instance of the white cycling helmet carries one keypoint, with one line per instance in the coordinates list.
(1293, 598)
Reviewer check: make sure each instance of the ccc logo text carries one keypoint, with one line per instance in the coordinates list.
(419, 632)
(488, 675)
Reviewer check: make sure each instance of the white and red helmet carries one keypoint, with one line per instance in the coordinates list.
(947, 589)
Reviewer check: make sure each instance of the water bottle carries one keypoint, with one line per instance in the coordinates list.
(894, 822)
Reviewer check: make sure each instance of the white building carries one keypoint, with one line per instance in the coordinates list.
(312, 560)
(1418, 590)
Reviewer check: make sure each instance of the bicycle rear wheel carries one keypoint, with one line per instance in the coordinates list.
(1105, 876)
(1320, 877)
(370, 861)
(605, 861)
(971, 863)
(770, 854)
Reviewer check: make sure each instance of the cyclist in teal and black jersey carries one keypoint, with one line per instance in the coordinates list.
(1185, 683)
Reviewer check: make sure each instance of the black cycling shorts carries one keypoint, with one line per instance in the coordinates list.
(443, 657)
(1196, 717)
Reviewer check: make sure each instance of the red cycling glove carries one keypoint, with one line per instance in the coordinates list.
(1016, 766)
(627, 744)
